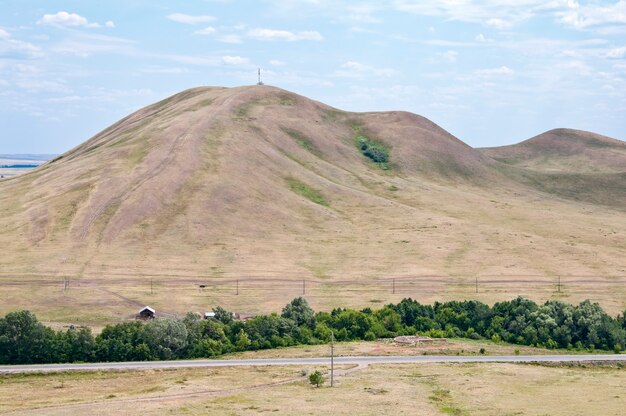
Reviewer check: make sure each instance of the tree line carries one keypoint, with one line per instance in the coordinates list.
(24, 340)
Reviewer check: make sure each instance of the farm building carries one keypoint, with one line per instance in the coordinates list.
(208, 315)
(146, 313)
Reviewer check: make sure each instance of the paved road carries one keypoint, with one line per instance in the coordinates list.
(362, 360)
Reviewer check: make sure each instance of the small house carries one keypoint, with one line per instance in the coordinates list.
(146, 313)
(209, 315)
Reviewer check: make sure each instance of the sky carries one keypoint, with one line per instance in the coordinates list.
(490, 72)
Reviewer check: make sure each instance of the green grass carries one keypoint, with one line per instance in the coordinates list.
(286, 100)
(302, 140)
(306, 191)
(444, 401)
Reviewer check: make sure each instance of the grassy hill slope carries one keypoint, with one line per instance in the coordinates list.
(257, 182)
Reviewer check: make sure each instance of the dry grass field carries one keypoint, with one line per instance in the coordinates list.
(199, 189)
(430, 389)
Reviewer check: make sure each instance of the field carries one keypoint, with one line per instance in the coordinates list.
(432, 389)
(95, 302)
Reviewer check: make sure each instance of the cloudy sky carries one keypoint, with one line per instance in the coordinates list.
(490, 72)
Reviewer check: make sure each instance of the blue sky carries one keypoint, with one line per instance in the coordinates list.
(490, 72)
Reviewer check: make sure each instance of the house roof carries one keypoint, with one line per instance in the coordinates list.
(147, 308)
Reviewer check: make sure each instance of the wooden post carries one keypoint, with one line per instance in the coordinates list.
(393, 282)
(332, 359)
(237, 293)
(476, 284)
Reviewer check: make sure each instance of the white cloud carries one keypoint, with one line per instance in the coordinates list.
(617, 53)
(499, 23)
(109, 23)
(13, 48)
(62, 18)
(352, 69)
(209, 30)
(273, 34)
(605, 18)
(188, 19)
(498, 14)
(230, 38)
(449, 56)
(275, 62)
(84, 45)
(503, 70)
(235, 60)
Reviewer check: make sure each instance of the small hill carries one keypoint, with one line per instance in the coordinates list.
(572, 164)
(564, 150)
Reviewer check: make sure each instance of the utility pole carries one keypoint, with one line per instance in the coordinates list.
(332, 359)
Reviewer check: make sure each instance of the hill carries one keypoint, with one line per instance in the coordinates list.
(565, 150)
(573, 164)
(254, 183)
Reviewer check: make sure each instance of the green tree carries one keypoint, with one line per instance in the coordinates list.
(223, 315)
(299, 311)
(242, 342)
(316, 378)
(24, 340)
(166, 337)
(80, 345)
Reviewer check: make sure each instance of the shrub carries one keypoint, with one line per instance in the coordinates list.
(375, 151)
(316, 378)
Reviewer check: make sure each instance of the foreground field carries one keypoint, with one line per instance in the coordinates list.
(431, 389)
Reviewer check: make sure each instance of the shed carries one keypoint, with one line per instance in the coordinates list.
(146, 313)
(208, 315)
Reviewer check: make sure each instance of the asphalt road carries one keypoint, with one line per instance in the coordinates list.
(362, 360)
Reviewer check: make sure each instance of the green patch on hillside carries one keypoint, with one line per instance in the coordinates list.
(286, 100)
(242, 111)
(332, 115)
(201, 104)
(306, 191)
(302, 140)
(375, 150)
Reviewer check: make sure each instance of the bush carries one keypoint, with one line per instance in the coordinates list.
(375, 151)
(316, 378)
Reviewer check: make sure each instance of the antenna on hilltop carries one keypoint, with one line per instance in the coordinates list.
(260, 82)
